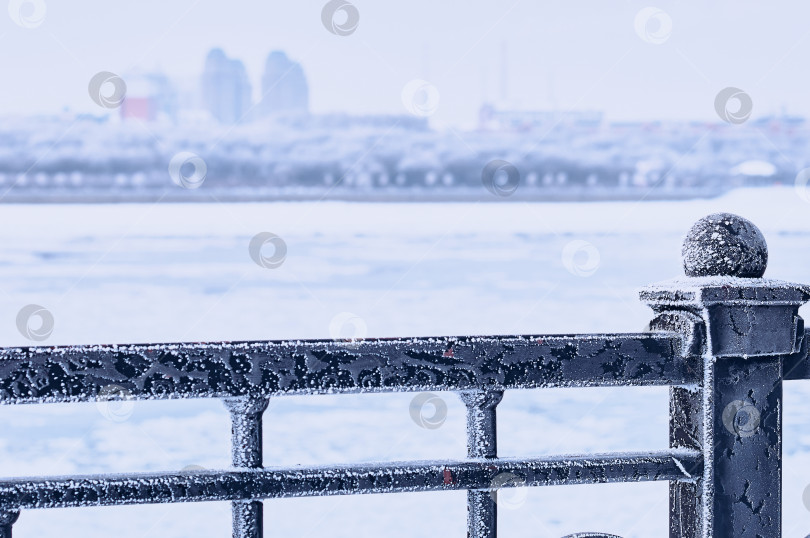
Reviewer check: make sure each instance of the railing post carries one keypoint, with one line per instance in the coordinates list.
(482, 512)
(246, 452)
(7, 520)
(743, 326)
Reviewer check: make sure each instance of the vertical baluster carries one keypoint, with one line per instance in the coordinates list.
(482, 514)
(7, 519)
(246, 452)
(685, 423)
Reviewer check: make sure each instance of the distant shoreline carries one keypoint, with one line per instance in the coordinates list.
(439, 195)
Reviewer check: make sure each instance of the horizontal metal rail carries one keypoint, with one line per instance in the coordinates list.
(481, 474)
(80, 373)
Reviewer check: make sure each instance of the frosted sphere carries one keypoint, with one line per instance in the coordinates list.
(723, 244)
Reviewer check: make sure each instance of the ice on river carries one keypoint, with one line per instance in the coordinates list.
(182, 272)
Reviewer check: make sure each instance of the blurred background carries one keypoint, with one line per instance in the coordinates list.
(205, 171)
(303, 101)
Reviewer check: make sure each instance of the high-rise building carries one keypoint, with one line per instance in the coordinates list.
(225, 87)
(284, 87)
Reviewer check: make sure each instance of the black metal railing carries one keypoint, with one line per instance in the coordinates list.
(723, 339)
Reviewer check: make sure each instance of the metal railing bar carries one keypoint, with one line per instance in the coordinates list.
(162, 371)
(7, 520)
(482, 442)
(246, 452)
(394, 477)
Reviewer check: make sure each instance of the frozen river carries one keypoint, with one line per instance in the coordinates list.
(182, 272)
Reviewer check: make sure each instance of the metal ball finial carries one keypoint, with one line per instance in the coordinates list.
(723, 244)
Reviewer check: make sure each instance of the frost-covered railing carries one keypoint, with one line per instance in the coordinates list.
(722, 338)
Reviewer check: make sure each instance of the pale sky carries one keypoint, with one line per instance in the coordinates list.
(559, 54)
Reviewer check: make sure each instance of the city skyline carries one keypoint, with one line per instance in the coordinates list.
(654, 72)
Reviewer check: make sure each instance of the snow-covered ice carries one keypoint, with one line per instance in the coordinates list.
(182, 272)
